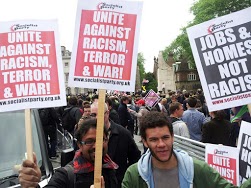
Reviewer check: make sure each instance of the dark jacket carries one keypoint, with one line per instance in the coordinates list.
(124, 116)
(113, 115)
(122, 149)
(54, 119)
(60, 179)
(217, 132)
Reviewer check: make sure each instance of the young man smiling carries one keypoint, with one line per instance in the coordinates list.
(164, 166)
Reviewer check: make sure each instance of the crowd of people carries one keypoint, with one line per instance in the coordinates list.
(181, 113)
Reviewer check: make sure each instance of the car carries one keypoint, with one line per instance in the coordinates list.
(13, 147)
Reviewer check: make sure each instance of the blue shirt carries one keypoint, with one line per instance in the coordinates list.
(194, 120)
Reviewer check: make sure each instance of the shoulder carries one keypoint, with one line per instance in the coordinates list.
(132, 178)
(186, 112)
(205, 176)
(120, 129)
(59, 178)
(202, 169)
(133, 168)
(132, 172)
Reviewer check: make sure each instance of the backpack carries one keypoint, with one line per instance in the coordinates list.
(44, 116)
(68, 119)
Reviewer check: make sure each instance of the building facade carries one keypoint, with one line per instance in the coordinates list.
(164, 73)
(186, 77)
(175, 75)
(66, 59)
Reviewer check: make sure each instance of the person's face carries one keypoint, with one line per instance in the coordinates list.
(173, 98)
(87, 112)
(106, 118)
(94, 113)
(88, 150)
(126, 101)
(160, 142)
(180, 111)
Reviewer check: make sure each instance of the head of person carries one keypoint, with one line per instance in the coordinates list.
(108, 101)
(176, 109)
(86, 139)
(85, 102)
(94, 113)
(124, 100)
(173, 97)
(94, 98)
(129, 98)
(170, 93)
(192, 101)
(140, 102)
(163, 101)
(199, 91)
(73, 101)
(87, 110)
(178, 93)
(80, 101)
(220, 114)
(186, 95)
(157, 135)
(198, 104)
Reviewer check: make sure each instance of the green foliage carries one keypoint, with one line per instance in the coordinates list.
(152, 81)
(141, 63)
(203, 10)
(208, 9)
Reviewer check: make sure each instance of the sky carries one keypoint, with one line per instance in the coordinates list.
(160, 23)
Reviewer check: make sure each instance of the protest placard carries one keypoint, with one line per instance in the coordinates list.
(244, 145)
(105, 54)
(30, 65)
(225, 160)
(221, 49)
(151, 99)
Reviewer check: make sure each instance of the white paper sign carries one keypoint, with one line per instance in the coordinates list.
(106, 43)
(222, 52)
(225, 160)
(31, 70)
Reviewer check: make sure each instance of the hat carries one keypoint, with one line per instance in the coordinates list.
(141, 101)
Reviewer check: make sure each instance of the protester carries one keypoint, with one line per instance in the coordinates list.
(164, 166)
(179, 126)
(142, 110)
(50, 121)
(218, 130)
(194, 119)
(124, 116)
(71, 115)
(121, 147)
(113, 114)
(82, 165)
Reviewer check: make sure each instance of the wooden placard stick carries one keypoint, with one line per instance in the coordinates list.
(99, 139)
(28, 132)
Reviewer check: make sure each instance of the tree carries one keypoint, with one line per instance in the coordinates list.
(203, 10)
(152, 81)
(141, 63)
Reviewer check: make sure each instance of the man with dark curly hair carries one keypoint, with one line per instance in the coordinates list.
(164, 166)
